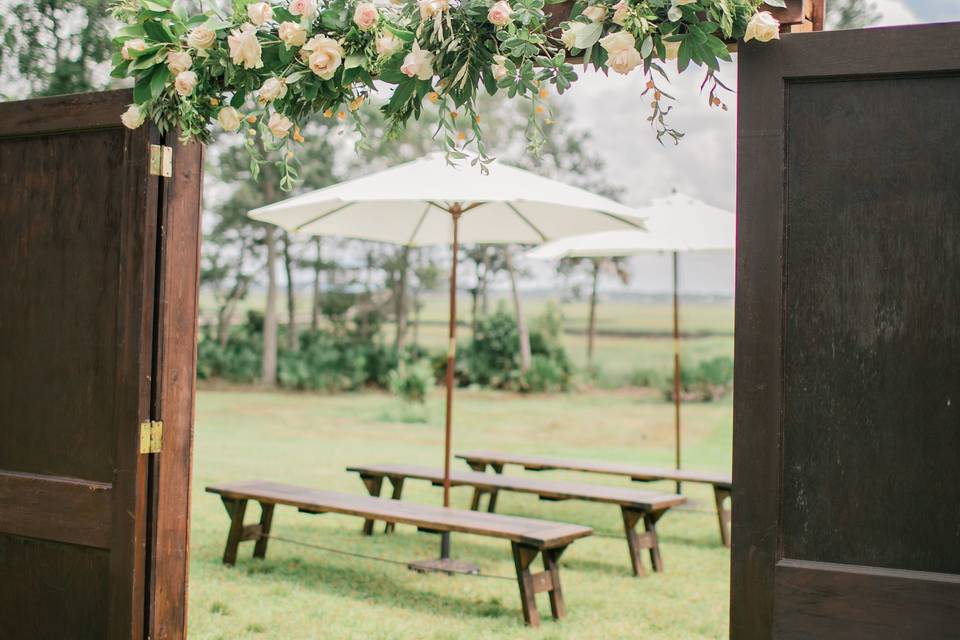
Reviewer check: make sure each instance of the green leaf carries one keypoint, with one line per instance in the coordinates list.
(158, 79)
(589, 36)
(647, 47)
(141, 89)
(683, 55)
(354, 60)
(776, 3)
(158, 31)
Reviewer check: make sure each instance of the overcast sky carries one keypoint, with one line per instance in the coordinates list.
(703, 165)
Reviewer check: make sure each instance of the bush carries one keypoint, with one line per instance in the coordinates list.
(709, 380)
(325, 362)
(238, 360)
(413, 382)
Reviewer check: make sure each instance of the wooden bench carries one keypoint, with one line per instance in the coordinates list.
(635, 506)
(528, 537)
(722, 483)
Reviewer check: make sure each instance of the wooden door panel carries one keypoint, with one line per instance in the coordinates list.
(847, 429)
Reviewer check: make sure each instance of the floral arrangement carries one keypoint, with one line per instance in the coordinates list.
(269, 66)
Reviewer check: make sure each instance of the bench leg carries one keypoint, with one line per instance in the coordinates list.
(477, 466)
(373, 485)
(650, 524)
(723, 514)
(531, 584)
(492, 504)
(236, 509)
(397, 492)
(266, 520)
(634, 542)
(475, 501)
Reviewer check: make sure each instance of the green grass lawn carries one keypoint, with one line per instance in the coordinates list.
(300, 592)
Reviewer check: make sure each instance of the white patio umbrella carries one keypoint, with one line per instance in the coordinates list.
(428, 202)
(676, 223)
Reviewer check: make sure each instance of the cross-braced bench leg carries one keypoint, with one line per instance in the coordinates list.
(720, 495)
(531, 584)
(373, 485)
(491, 503)
(637, 542)
(397, 492)
(266, 520)
(239, 532)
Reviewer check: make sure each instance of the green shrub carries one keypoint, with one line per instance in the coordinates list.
(325, 362)
(413, 382)
(238, 360)
(709, 380)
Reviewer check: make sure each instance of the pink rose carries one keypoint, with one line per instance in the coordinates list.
(499, 13)
(365, 16)
(305, 8)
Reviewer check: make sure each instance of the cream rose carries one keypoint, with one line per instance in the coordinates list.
(279, 125)
(499, 13)
(133, 44)
(229, 118)
(418, 63)
(388, 44)
(244, 47)
(272, 89)
(178, 61)
(201, 37)
(133, 117)
(672, 49)
(259, 12)
(595, 12)
(365, 16)
(622, 54)
(304, 8)
(291, 34)
(498, 67)
(762, 27)
(621, 12)
(430, 8)
(185, 82)
(325, 56)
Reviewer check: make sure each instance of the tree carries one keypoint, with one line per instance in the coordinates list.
(594, 268)
(851, 14)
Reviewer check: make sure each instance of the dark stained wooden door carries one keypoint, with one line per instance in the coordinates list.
(847, 401)
(91, 530)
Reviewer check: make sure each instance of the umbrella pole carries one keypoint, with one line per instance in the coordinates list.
(455, 213)
(676, 363)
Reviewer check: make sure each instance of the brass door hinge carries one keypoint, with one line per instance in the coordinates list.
(161, 160)
(151, 436)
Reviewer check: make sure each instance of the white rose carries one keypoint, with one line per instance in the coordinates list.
(498, 68)
(388, 44)
(763, 27)
(185, 82)
(272, 89)
(569, 35)
(672, 49)
(624, 61)
(595, 12)
(279, 125)
(259, 12)
(418, 63)
(201, 37)
(325, 56)
(430, 8)
(618, 41)
(675, 13)
(305, 8)
(499, 13)
(621, 12)
(178, 61)
(229, 118)
(244, 47)
(365, 16)
(133, 44)
(292, 34)
(133, 117)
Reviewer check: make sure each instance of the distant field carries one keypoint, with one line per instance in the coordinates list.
(632, 335)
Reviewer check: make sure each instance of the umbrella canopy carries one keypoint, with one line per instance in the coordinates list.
(410, 204)
(676, 223)
(427, 202)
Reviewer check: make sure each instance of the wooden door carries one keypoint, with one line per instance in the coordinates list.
(847, 401)
(98, 285)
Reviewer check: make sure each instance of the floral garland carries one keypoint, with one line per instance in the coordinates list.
(269, 66)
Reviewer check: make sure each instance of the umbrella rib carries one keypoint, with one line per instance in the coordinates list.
(641, 226)
(322, 216)
(524, 218)
(416, 229)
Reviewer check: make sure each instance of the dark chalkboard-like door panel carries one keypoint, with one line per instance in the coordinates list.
(86, 278)
(847, 408)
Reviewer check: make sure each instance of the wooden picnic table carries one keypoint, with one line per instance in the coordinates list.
(635, 506)
(528, 537)
(722, 483)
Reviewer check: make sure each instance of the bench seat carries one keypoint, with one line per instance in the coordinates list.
(635, 505)
(528, 537)
(722, 482)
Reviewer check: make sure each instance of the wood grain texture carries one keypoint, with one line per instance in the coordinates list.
(53, 508)
(818, 600)
(59, 114)
(175, 387)
(551, 489)
(538, 533)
